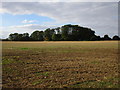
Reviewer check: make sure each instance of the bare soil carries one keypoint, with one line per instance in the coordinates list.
(60, 64)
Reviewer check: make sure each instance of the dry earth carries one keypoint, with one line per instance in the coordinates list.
(85, 64)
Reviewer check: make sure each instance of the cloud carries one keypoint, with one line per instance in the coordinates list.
(60, 1)
(28, 21)
(29, 28)
(100, 16)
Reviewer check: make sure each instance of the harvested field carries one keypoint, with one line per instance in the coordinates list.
(84, 64)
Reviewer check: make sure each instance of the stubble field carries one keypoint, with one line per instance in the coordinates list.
(86, 64)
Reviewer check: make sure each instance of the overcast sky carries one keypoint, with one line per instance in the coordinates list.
(102, 17)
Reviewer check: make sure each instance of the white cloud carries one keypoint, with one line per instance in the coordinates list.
(60, 1)
(102, 17)
(29, 28)
(28, 21)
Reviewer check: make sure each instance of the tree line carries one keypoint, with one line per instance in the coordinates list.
(64, 33)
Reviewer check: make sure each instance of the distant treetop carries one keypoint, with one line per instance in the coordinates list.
(64, 33)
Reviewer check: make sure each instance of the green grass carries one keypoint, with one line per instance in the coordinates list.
(7, 69)
(24, 48)
(7, 61)
(16, 56)
(44, 73)
(95, 62)
(36, 82)
(108, 83)
(10, 61)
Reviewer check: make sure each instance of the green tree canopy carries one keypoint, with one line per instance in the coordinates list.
(37, 36)
(116, 37)
(106, 37)
(48, 34)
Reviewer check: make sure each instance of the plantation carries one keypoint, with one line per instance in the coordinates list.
(63, 64)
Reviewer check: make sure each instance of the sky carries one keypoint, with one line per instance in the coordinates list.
(22, 17)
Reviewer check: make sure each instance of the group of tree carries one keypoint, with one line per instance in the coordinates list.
(65, 33)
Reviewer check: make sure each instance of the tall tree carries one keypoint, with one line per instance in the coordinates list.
(56, 37)
(48, 34)
(14, 37)
(95, 38)
(25, 37)
(65, 32)
(116, 37)
(58, 30)
(37, 36)
(106, 37)
(75, 32)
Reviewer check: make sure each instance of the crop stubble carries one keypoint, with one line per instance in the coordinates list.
(60, 64)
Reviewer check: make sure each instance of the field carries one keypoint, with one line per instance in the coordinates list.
(85, 64)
